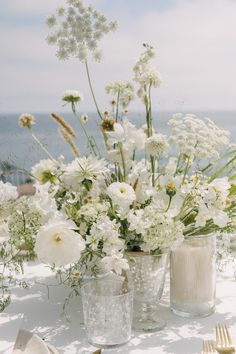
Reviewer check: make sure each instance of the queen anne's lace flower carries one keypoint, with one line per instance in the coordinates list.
(77, 30)
(58, 244)
(123, 90)
(196, 137)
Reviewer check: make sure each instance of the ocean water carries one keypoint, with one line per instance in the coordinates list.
(18, 148)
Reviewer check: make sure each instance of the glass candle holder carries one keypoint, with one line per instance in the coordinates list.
(107, 308)
(148, 273)
(193, 277)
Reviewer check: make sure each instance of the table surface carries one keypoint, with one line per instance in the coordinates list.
(35, 311)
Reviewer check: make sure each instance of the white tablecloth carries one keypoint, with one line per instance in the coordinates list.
(33, 310)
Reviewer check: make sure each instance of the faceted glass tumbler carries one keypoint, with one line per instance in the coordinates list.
(193, 277)
(107, 308)
(148, 273)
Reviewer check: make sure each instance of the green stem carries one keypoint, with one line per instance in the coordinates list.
(117, 106)
(43, 147)
(92, 91)
(91, 141)
(186, 169)
(123, 160)
(219, 171)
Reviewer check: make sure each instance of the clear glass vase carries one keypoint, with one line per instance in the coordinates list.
(193, 277)
(107, 308)
(148, 274)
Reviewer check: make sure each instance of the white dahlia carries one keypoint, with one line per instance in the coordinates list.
(84, 168)
(58, 244)
(45, 171)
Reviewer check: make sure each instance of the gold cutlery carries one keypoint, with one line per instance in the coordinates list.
(224, 343)
(208, 347)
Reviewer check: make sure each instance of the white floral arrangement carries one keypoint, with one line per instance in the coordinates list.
(147, 193)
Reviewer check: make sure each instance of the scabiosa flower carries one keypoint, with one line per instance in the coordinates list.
(72, 96)
(58, 244)
(26, 120)
(157, 145)
(108, 124)
(77, 30)
(84, 118)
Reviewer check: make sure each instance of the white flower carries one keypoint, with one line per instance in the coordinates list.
(84, 118)
(115, 262)
(84, 169)
(212, 203)
(77, 30)
(58, 244)
(160, 231)
(127, 134)
(7, 192)
(45, 171)
(139, 177)
(171, 166)
(26, 120)
(157, 145)
(123, 89)
(121, 194)
(106, 231)
(43, 201)
(72, 96)
(196, 137)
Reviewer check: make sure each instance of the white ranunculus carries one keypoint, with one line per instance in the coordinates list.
(7, 192)
(121, 194)
(58, 244)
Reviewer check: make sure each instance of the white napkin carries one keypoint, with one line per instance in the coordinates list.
(30, 343)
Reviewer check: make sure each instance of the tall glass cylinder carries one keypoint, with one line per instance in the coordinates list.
(148, 273)
(193, 277)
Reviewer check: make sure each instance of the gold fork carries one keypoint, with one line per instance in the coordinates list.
(224, 343)
(208, 347)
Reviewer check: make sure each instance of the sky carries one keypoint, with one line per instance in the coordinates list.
(195, 42)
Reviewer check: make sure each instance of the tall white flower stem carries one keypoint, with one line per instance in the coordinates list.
(123, 161)
(92, 144)
(117, 105)
(92, 91)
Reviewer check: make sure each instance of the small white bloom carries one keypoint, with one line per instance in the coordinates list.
(157, 145)
(72, 96)
(115, 262)
(58, 244)
(84, 118)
